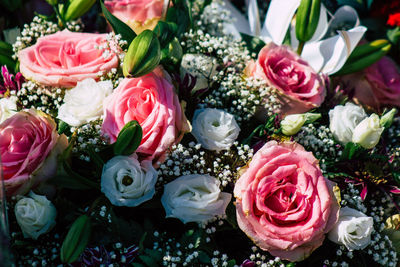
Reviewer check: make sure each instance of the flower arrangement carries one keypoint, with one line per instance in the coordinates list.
(188, 133)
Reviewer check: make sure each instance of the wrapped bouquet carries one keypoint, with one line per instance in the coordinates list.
(199, 133)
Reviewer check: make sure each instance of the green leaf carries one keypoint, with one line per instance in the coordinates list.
(118, 26)
(8, 61)
(62, 127)
(253, 44)
(149, 261)
(364, 56)
(351, 151)
(129, 139)
(144, 54)
(76, 240)
(76, 8)
(203, 257)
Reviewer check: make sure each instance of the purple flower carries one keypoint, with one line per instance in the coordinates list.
(9, 82)
(99, 256)
(248, 263)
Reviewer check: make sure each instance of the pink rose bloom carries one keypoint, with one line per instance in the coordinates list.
(377, 85)
(29, 146)
(138, 14)
(152, 102)
(283, 203)
(65, 58)
(300, 87)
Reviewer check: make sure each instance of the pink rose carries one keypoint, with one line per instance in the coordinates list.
(300, 87)
(283, 203)
(377, 85)
(138, 14)
(152, 102)
(65, 58)
(29, 145)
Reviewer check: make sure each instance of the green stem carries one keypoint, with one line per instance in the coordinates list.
(300, 48)
(61, 21)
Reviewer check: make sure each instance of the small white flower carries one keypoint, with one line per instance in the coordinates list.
(194, 198)
(368, 132)
(35, 215)
(126, 182)
(291, 124)
(343, 121)
(353, 229)
(8, 107)
(201, 66)
(215, 129)
(84, 103)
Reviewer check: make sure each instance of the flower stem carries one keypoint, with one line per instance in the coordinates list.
(300, 48)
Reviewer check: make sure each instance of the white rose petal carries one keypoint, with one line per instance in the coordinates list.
(343, 121)
(201, 66)
(352, 230)
(215, 129)
(126, 182)
(194, 198)
(368, 132)
(84, 103)
(8, 107)
(35, 215)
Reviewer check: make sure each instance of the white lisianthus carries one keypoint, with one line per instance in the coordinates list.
(35, 215)
(368, 132)
(291, 124)
(215, 129)
(84, 103)
(201, 66)
(126, 182)
(194, 198)
(343, 121)
(8, 107)
(352, 230)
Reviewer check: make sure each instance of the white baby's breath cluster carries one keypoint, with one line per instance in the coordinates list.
(114, 44)
(88, 135)
(46, 99)
(212, 18)
(40, 27)
(223, 165)
(319, 140)
(260, 258)
(113, 75)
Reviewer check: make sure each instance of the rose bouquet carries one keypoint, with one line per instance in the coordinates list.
(188, 133)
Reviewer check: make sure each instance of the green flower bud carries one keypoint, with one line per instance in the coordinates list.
(307, 19)
(76, 8)
(144, 54)
(129, 139)
(387, 119)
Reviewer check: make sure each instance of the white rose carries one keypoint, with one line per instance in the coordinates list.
(35, 215)
(126, 182)
(194, 198)
(343, 121)
(84, 103)
(352, 230)
(8, 107)
(368, 132)
(215, 129)
(201, 66)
